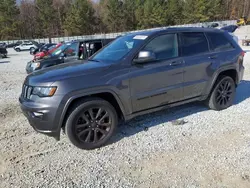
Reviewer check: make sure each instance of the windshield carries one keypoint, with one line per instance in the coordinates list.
(51, 47)
(119, 48)
(60, 49)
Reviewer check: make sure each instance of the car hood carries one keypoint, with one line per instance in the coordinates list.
(45, 57)
(64, 71)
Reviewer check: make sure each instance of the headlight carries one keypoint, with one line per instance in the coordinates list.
(35, 65)
(44, 91)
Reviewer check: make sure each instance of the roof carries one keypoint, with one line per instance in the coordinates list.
(175, 29)
(92, 40)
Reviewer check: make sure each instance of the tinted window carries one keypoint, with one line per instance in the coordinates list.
(193, 44)
(218, 42)
(164, 46)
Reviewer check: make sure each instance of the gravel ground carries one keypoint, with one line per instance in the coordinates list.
(211, 150)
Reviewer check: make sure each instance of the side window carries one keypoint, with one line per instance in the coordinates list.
(218, 42)
(193, 44)
(164, 46)
(71, 50)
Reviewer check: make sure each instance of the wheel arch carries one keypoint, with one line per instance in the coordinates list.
(107, 95)
(232, 72)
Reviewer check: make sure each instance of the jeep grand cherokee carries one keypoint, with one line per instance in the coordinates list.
(136, 74)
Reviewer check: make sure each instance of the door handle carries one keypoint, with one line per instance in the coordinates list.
(176, 63)
(212, 57)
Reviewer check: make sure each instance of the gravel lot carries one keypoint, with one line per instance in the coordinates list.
(211, 150)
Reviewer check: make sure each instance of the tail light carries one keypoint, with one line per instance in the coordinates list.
(243, 53)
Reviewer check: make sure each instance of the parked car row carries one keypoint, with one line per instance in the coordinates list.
(65, 52)
(133, 75)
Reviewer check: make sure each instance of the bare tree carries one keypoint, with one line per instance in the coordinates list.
(28, 15)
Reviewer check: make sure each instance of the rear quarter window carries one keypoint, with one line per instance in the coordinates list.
(219, 42)
(193, 43)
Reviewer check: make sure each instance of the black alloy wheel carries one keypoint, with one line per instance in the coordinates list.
(223, 94)
(91, 123)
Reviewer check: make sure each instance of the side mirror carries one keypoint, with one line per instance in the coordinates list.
(145, 56)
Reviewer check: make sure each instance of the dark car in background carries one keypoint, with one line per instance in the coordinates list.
(68, 52)
(3, 52)
(136, 74)
(14, 44)
(3, 45)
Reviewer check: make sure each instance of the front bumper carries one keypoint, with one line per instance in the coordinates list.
(3, 55)
(41, 117)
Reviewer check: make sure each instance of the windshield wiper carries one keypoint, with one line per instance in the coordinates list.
(95, 60)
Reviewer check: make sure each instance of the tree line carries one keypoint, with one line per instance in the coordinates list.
(52, 18)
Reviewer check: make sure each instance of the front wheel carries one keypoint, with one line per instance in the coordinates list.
(91, 123)
(18, 50)
(223, 94)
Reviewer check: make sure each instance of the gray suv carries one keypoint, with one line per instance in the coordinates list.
(136, 74)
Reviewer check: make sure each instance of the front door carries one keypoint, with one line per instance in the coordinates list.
(71, 52)
(159, 82)
(25, 47)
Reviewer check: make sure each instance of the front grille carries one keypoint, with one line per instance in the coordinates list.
(26, 91)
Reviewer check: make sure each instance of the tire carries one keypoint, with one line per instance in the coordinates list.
(32, 48)
(18, 49)
(223, 94)
(89, 133)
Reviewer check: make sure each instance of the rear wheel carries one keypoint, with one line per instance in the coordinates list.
(91, 123)
(223, 94)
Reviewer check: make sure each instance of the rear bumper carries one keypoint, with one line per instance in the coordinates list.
(241, 73)
(41, 117)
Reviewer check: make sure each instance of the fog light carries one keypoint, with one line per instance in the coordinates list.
(38, 114)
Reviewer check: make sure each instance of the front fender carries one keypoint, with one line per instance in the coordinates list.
(69, 98)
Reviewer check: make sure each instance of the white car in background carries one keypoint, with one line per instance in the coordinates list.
(25, 47)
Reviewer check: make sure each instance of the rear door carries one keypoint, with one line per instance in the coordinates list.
(23, 46)
(159, 82)
(28, 46)
(196, 54)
